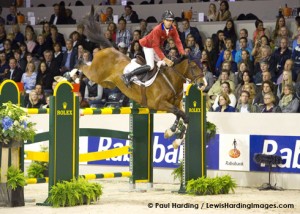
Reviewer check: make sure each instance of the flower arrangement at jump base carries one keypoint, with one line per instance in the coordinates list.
(14, 125)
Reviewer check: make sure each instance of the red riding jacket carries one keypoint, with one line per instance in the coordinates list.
(156, 38)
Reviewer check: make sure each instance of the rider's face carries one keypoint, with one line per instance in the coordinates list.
(168, 23)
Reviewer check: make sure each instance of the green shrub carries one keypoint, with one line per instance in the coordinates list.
(15, 178)
(211, 186)
(75, 192)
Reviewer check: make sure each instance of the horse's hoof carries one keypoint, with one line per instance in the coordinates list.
(186, 120)
(168, 133)
(176, 143)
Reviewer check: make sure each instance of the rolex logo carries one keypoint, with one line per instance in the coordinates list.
(195, 104)
(65, 104)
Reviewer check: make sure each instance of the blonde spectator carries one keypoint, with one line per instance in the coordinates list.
(223, 103)
(29, 77)
(34, 101)
(289, 103)
(212, 12)
(287, 79)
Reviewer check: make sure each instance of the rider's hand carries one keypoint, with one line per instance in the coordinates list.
(168, 62)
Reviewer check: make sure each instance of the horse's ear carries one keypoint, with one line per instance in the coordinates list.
(92, 10)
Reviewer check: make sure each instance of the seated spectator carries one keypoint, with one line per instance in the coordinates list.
(229, 47)
(93, 93)
(29, 41)
(246, 79)
(266, 56)
(136, 49)
(287, 79)
(283, 33)
(109, 12)
(280, 55)
(75, 37)
(7, 49)
(2, 36)
(122, 48)
(264, 67)
(225, 89)
(14, 73)
(46, 29)
(29, 77)
(143, 28)
(40, 47)
(52, 64)
(296, 59)
(205, 59)
(251, 89)
(112, 28)
(195, 52)
(4, 67)
(208, 77)
(212, 13)
(44, 77)
(260, 31)
(69, 58)
(280, 22)
(69, 19)
(289, 103)
(40, 93)
(238, 77)
(54, 37)
(123, 34)
(229, 31)
(173, 54)
(54, 18)
(267, 88)
(186, 30)
(47, 104)
(219, 42)
(58, 55)
(245, 105)
(211, 53)
(258, 45)
(230, 66)
(130, 15)
(227, 58)
(244, 33)
(223, 103)
(288, 66)
(224, 13)
(11, 18)
(269, 105)
(216, 88)
(34, 101)
(169, 44)
(18, 36)
(243, 47)
(2, 20)
(23, 48)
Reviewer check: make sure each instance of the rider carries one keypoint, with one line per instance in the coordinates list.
(152, 44)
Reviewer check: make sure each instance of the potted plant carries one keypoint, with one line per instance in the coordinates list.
(75, 192)
(14, 126)
(14, 130)
(13, 193)
(211, 130)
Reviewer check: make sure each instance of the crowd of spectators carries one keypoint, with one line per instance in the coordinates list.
(242, 73)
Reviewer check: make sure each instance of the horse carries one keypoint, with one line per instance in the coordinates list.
(164, 94)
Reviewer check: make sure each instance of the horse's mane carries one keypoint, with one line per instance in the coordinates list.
(93, 30)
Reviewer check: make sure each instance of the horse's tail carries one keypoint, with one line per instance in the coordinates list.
(93, 30)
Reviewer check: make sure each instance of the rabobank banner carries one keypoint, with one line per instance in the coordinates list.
(225, 152)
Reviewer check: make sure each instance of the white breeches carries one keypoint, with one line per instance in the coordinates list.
(150, 56)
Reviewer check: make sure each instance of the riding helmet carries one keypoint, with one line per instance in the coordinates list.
(168, 15)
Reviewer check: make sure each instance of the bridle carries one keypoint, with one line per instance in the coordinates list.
(191, 69)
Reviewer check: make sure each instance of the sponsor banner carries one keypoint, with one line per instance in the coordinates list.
(288, 147)
(234, 152)
(163, 153)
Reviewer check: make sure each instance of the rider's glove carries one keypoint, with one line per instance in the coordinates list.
(168, 62)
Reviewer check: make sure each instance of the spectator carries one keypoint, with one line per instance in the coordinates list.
(173, 54)
(40, 47)
(14, 72)
(289, 103)
(246, 59)
(123, 34)
(225, 89)
(224, 13)
(2, 20)
(227, 57)
(40, 93)
(223, 104)
(287, 79)
(229, 47)
(52, 64)
(208, 76)
(195, 53)
(46, 29)
(244, 105)
(69, 19)
(21, 62)
(23, 48)
(44, 77)
(136, 49)
(7, 49)
(59, 16)
(288, 66)
(34, 101)
(267, 87)
(122, 48)
(69, 58)
(54, 37)
(269, 105)
(93, 94)
(244, 33)
(229, 31)
(11, 18)
(280, 55)
(75, 37)
(280, 22)
(260, 31)
(266, 56)
(247, 79)
(112, 28)
(143, 28)
(219, 41)
(283, 33)
(109, 14)
(130, 15)
(212, 12)
(264, 67)
(243, 46)
(211, 53)
(296, 59)
(18, 36)
(29, 41)
(251, 89)
(29, 77)
(2, 36)
(4, 67)
(54, 17)
(58, 55)
(259, 44)
(186, 30)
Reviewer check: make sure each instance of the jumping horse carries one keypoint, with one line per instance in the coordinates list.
(165, 93)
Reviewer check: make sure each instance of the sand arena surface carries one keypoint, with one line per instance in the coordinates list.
(118, 199)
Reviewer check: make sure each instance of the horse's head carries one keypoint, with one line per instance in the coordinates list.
(189, 70)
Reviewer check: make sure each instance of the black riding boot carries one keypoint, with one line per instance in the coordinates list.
(140, 70)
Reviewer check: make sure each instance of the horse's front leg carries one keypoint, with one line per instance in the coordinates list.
(171, 131)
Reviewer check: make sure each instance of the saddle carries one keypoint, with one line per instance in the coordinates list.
(147, 76)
